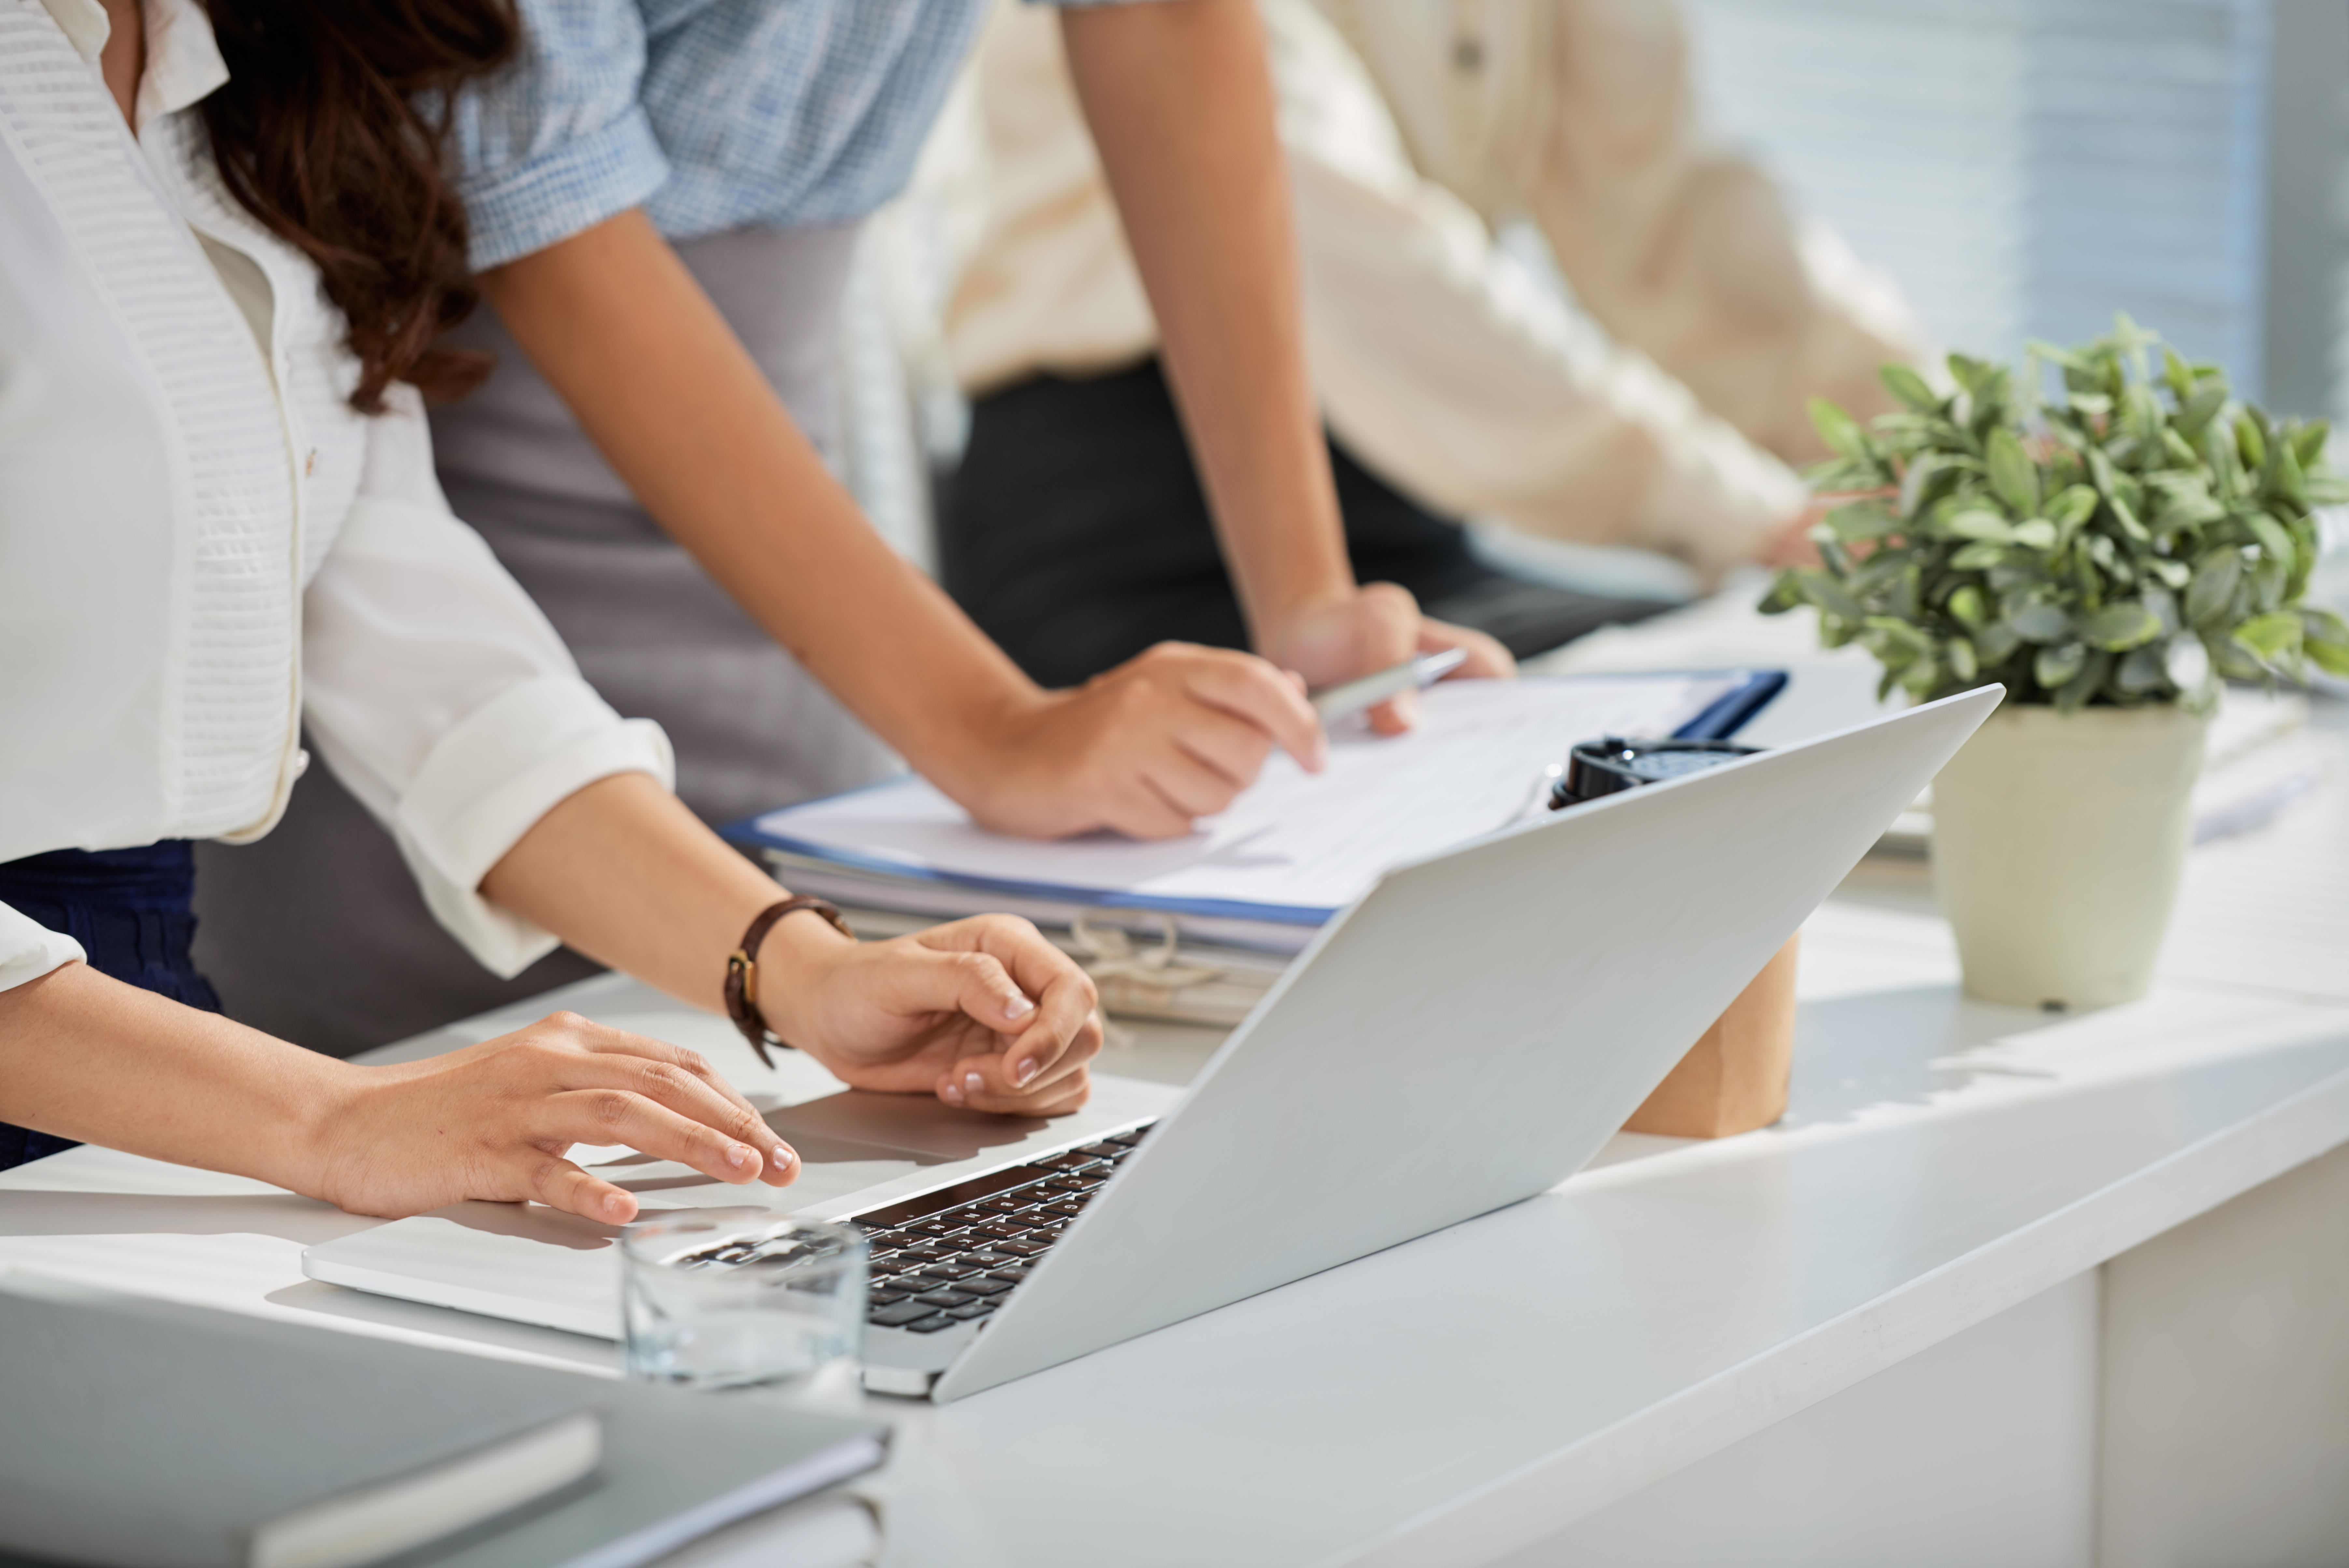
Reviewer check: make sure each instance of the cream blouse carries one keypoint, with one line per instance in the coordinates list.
(1437, 358)
(203, 547)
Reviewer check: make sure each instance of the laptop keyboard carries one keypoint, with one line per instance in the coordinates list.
(956, 1255)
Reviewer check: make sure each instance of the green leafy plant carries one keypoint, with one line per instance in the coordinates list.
(2132, 542)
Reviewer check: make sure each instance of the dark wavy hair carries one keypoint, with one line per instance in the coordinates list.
(333, 132)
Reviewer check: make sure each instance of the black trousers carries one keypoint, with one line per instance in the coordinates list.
(1076, 535)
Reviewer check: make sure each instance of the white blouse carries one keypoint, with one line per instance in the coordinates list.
(202, 546)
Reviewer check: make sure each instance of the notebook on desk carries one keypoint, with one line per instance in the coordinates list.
(1292, 852)
(145, 1432)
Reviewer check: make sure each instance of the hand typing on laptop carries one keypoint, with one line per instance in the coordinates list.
(983, 1013)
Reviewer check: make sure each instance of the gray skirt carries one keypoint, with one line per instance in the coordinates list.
(316, 933)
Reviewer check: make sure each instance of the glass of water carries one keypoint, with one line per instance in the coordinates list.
(710, 1302)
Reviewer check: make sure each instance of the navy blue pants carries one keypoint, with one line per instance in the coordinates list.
(129, 909)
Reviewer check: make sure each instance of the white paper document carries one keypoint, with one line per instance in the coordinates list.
(1295, 847)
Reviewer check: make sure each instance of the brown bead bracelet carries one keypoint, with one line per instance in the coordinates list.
(742, 972)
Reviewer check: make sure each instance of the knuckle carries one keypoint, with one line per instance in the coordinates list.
(663, 1078)
(611, 1108)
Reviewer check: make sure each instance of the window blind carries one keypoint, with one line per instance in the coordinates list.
(2021, 170)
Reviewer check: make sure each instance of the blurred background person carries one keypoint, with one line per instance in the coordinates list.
(1452, 382)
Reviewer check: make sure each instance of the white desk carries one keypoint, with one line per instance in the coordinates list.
(1505, 1389)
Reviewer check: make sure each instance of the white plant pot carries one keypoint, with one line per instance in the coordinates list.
(2059, 840)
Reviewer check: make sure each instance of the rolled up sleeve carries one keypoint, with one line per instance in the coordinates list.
(560, 141)
(29, 950)
(443, 700)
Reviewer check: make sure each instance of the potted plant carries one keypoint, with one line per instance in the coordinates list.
(2109, 555)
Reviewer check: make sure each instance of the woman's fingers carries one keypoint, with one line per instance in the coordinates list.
(1034, 1071)
(601, 1040)
(1486, 660)
(932, 978)
(1232, 746)
(559, 1183)
(1189, 785)
(1065, 995)
(1033, 1051)
(1386, 625)
(977, 1088)
(621, 1115)
(730, 1141)
(1264, 699)
(1138, 811)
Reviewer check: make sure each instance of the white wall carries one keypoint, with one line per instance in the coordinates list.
(1978, 1453)
(2226, 1378)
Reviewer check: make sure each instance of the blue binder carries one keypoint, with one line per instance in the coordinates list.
(851, 873)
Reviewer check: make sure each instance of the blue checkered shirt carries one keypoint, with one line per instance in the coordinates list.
(710, 114)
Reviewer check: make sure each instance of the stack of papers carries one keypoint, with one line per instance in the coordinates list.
(1292, 851)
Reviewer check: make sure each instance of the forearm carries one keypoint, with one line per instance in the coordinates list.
(658, 380)
(624, 873)
(1180, 107)
(87, 1057)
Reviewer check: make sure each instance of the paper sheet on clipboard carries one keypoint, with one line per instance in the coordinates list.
(1297, 847)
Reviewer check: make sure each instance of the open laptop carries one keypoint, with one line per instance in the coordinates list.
(1465, 1036)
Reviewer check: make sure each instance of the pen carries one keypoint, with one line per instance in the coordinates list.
(1353, 696)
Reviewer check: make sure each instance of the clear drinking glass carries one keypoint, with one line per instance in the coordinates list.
(714, 1303)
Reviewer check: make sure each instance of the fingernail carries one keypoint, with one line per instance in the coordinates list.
(1023, 1073)
(952, 1092)
(616, 1206)
(784, 1156)
(1018, 1006)
(743, 1159)
(973, 1083)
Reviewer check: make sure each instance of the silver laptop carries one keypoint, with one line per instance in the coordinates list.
(1465, 1036)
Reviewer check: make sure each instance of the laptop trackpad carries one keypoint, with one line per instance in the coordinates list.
(917, 1125)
